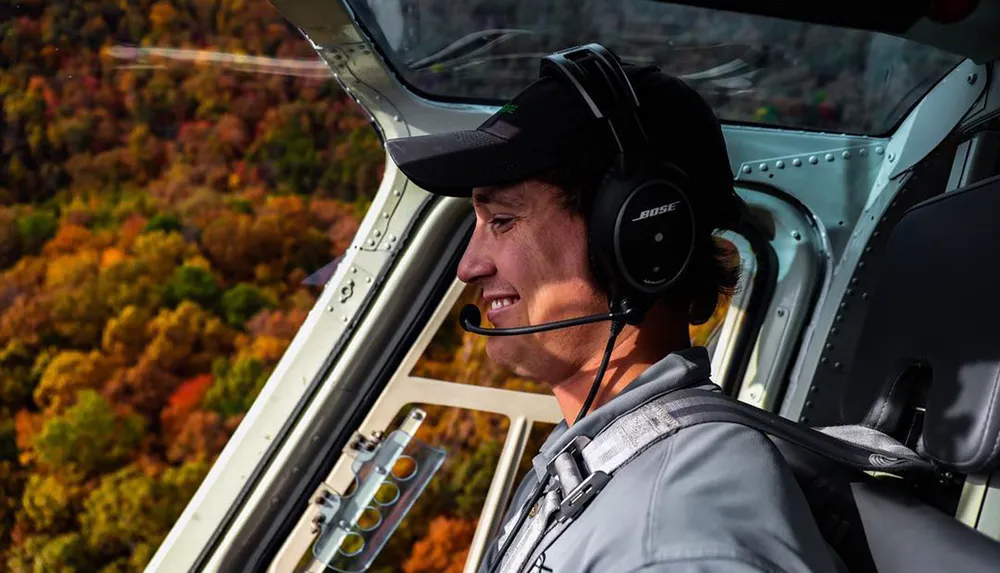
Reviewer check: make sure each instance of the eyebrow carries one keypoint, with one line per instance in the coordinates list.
(498, 196)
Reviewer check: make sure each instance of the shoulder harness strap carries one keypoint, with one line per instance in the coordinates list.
(584, 466)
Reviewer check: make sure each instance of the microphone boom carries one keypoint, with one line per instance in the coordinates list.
(470, 319)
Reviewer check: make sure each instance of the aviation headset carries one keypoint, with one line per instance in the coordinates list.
(641, 226)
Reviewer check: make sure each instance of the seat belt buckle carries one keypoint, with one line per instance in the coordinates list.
(577, 490)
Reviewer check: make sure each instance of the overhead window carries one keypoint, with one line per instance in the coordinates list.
(750, 68)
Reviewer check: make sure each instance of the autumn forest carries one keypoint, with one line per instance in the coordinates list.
(158, 222)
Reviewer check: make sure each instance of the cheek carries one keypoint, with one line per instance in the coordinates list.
(560, 267)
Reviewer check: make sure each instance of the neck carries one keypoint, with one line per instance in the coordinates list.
(633, 353)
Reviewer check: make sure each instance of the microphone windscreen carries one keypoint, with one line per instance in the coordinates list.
(470, 315)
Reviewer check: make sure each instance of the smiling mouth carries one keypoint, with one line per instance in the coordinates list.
(502, 303)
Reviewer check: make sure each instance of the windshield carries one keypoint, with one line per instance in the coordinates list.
(751, 69)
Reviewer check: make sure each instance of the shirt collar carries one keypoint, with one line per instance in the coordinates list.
(680, 369)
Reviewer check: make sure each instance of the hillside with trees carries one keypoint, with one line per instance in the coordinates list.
(157, 223)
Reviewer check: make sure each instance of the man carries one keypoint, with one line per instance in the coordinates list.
(713, 497)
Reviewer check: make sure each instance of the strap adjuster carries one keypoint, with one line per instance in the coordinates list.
(577, 489)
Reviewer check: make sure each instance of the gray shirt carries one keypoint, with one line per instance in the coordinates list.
(714, 497)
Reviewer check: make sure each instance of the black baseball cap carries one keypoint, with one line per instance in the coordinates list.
(548, 123)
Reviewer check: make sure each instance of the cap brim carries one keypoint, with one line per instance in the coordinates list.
(455, 163)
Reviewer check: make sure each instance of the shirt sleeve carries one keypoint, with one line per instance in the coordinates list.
(725, 500)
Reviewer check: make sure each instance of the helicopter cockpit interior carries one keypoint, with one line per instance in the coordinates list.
(865, 141)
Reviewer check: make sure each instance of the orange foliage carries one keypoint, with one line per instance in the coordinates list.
(144, 388)
(201, 437)
(183, 401)
(26, 427)
(26, 318)
(111, 256)
(268, 349)
(130, 229)
(69, 239)
(444, 549)
(277, 323)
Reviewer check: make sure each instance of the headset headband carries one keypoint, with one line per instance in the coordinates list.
(603, 85)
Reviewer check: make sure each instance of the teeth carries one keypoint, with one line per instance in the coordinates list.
(500, 303)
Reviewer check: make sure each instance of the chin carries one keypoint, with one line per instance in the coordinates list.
(503, 352)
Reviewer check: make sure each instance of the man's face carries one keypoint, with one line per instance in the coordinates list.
(529, 255)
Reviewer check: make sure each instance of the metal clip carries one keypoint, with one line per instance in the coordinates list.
(365, 444)
(576, 499)
(581, 495)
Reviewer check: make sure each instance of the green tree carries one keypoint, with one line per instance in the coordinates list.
(43, 553)
(35, 229)
(192, 283)
(242, 302)
(89, 437)
(130, 510)
(163, 222)
(235, 385)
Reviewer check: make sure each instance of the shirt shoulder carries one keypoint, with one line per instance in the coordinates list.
(716, 492)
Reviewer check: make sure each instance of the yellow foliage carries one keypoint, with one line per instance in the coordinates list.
(198, 261)
(268, 349)
(173, 334)
(68, 372)
(70, 271)
(161, 15)
(284, 204)
(187, 333)
(160, 253)
(48, 502)
(125, 335)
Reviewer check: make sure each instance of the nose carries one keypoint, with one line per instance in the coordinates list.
(476, 263)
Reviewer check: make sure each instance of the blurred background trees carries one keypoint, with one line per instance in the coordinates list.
(157, 221)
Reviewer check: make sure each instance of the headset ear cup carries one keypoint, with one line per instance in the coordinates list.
(642, 231)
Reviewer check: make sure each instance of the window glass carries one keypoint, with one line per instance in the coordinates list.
(750, 68)
(172, 174)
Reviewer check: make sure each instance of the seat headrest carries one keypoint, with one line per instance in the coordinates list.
(936, 304)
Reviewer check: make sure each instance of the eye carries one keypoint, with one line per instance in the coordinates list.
(501, 222)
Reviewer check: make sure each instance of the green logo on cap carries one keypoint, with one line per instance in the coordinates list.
(508, 108)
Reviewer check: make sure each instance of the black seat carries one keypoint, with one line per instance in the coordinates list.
(927, 372)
